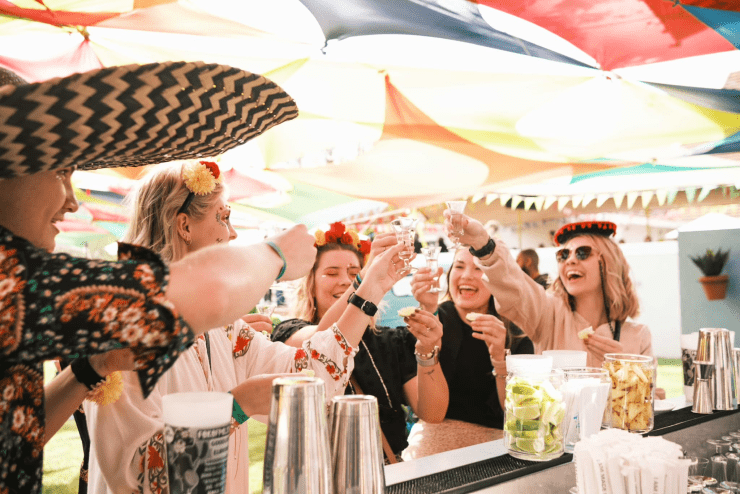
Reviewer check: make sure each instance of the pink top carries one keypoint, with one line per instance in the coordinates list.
(545, 318)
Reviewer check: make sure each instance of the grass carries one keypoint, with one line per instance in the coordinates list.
(63, 454)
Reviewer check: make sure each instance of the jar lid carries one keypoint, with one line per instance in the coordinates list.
(521, 365)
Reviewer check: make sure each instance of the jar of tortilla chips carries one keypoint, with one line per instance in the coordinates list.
(630, 403)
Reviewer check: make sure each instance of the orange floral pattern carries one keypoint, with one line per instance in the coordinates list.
(56, 306)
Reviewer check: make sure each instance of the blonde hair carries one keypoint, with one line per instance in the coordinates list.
(620, 296)
(305, 302)
(155, 202)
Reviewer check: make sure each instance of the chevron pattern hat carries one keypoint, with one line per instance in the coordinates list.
(134, 115)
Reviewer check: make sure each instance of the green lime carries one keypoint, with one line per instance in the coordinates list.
(526, 412)
(517, 426)
(523, 390)
(534, 446)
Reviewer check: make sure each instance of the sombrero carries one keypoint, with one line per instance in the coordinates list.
(135, 115)
(566, 232)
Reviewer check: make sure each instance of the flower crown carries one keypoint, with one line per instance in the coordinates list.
(200, 178)
(339, 234)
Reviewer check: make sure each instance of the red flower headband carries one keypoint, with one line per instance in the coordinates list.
(339, 234)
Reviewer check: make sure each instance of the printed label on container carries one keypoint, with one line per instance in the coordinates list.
(196, 459)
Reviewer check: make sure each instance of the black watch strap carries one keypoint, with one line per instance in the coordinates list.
(485, 250)
(365, 306)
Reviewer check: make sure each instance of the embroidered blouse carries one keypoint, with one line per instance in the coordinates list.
(127, 453)
(55, 305)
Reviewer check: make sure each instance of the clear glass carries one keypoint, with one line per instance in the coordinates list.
(698, 469)
(718, 461)
(431, 254)
(585, 392)
(630, 404)
(730, 486)
(533, 416)
(457, 208)
(405, 230)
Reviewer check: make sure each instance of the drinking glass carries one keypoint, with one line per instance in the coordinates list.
(718, 461)
(730, 486)
(698, 469)
(585, 392)
(431, 253)
(457, 208)
(405, 229)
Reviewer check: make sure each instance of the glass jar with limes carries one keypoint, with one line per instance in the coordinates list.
(533, 415)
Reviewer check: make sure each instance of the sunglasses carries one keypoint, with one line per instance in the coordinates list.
(582, 253)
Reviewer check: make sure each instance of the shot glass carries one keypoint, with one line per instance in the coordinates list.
(431, 254)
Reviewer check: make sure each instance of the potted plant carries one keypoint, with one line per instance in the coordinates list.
(711, 264)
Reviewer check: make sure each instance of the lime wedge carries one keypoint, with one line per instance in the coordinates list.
(528, 412)
(534, 446)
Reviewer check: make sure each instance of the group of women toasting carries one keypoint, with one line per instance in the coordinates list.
(170, 313)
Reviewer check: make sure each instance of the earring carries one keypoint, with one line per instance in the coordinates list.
(187, 241)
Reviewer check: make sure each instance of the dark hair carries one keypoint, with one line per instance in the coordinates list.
(531, 254)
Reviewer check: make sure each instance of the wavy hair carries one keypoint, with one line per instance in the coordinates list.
(155, 203)
(305, 302)
(620, 296)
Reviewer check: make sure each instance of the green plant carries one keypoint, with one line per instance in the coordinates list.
(711, 262)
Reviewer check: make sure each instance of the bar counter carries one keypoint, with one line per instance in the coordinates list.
(487, 468)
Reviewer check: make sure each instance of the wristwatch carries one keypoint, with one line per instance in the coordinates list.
(485, 250)
(427, 359)
(365, 306)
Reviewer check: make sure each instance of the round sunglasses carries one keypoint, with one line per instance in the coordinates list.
(582, 253)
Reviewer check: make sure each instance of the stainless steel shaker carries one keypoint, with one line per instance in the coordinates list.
(297, 454)
(715, 349)
(356, 448)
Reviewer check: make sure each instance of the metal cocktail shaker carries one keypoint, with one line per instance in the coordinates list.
(356, 447)
(715, 349)
(297, 455)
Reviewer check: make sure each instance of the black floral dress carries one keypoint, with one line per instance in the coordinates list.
(54, 305)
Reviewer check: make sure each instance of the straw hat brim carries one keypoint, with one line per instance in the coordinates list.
(135, 115)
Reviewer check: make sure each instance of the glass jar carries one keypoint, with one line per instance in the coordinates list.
(533, 416)
(585, 393)
(630, 404)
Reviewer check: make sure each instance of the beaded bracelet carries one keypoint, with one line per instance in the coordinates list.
(279, 252)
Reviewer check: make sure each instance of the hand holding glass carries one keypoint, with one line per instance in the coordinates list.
(457, 208)
(431, 254)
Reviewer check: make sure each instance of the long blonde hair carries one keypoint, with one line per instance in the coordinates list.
(155, 202)
(620, 296)
(305, 303)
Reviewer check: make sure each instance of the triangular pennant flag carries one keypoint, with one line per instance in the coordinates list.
(631, 198)
(671, 196)
(515, 201)
(538, 203)
(562, 201)
(490, 198)
(602, 199)
(587, 198)
(646, 198)
(704, 193)
(618, 198)
(528, 203)
(576, 200)
(477, 197)
(549, 201)
(661, 196)
(690, 194)
(504, 199)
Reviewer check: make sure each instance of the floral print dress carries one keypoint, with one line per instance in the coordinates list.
(55, 305)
